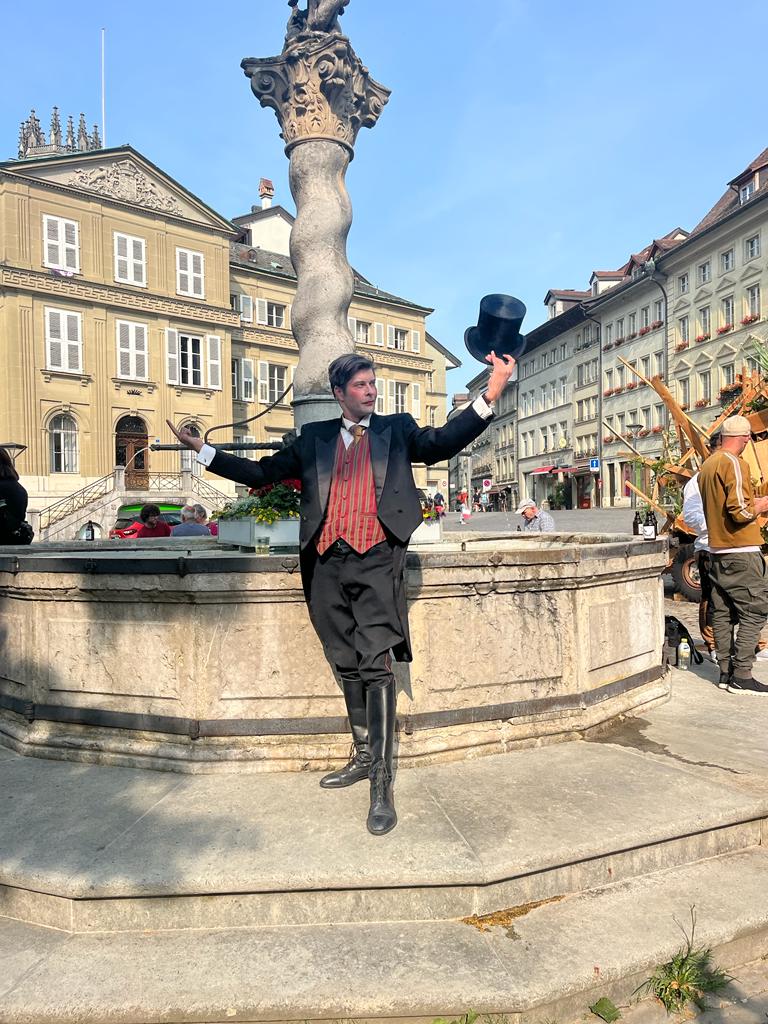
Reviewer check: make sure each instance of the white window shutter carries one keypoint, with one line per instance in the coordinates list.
(51, 241)
(416, 401)
(123, 349)
(378, 334)
(139, 258)
(352, 324)
(182, 271)
(198, 284)
(74, 361)
(261, 311)
(214, 361)
(121, 258)
(246, 376)
(390, 396)
(287, 322)
(416, 341)
(246, 308)
(381, 395)
(71, 246)
(140, 351)
(172, 356)
(263, 382)
(55, 341)
(390, 336)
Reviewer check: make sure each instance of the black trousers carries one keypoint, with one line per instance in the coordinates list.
(351, 600)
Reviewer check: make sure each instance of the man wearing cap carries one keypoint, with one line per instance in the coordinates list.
(535, 519)
(737, 570)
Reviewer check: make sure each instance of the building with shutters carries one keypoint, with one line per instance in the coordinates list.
(127, 300)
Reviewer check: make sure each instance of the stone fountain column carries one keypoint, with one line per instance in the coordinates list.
(322, 95)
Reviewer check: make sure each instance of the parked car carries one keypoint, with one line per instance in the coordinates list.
(128, 523)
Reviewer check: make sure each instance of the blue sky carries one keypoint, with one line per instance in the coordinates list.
(525, 143)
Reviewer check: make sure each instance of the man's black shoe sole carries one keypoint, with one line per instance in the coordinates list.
(342, 785)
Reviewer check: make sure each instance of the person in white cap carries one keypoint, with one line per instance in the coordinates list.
(535, 519)
(737, 570)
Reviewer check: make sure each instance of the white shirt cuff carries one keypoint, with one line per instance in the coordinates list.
(481, 407)
(206, 454)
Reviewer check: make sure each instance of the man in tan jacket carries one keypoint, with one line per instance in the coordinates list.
(737, 572)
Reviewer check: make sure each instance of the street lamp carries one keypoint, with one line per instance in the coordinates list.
(635, 429)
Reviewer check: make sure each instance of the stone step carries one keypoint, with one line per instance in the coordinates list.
(548, 961)
(97, 849)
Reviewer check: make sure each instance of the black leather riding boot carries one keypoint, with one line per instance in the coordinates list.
(360, 763)
(381, 704)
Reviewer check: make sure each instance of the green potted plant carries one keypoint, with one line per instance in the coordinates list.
(267, 516)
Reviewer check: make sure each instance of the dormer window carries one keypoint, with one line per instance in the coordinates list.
(552, 310)
(746, 191)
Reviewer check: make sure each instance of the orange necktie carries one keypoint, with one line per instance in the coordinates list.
(356, 430)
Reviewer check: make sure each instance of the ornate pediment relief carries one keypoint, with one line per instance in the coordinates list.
(125, 180)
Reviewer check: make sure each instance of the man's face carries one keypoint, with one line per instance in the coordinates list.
(529, 513)
(358, 398)
(152, 521)
(742, 442)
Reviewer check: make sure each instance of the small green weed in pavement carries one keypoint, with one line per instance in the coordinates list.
(467, 1018)
(688, 977)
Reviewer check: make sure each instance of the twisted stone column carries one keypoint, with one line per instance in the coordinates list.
(322, 96)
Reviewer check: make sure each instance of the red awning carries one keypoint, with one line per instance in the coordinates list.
(543, 469)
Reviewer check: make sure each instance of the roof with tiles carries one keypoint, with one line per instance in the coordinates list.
(730, 200)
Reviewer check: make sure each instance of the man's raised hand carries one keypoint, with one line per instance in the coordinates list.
(503, 368)
(187, 438)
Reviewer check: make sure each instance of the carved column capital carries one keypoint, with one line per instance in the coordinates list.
(319, 89)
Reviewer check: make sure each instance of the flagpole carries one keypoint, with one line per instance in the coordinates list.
(103, 94)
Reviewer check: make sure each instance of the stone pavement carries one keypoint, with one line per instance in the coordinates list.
(255, 898)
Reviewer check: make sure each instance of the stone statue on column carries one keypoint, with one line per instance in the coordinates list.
(322, 95)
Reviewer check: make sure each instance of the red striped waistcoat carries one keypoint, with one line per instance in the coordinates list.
(352, 513)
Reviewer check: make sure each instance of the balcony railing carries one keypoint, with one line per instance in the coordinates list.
(76, 501)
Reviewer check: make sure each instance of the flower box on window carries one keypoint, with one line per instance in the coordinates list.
(750, 318)
(631, 386)
(725, 328)
(618, 341)
(684, 407)
(657, 324)
(681, 346)
(643, 331)
(702, 337)
(617, 391)
(632, 336)
(644, 433)
(608, 439)
(702, 403)
(608, 347)
(657, 430)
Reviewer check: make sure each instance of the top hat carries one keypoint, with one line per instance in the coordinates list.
(498, 328)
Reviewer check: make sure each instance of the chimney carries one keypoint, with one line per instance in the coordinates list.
(266, 192)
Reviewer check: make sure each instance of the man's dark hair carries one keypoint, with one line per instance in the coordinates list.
(147, 511)
(7, 468)
(342, 370)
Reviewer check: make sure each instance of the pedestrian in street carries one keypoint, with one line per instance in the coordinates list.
(189, 527)
(153, 526)
(439, 504)
(535, 520)
(13, 504)
(693, 516)
(359, 507)
(737, 570)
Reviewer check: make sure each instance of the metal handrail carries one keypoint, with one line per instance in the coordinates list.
(206, 490)
(73, 502)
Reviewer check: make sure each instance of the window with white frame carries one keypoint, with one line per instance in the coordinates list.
(704, 272)
(632, 323)
(398, 396)
(61, 244)
(609, 334)
(658, 311)
(658, 415)
(746, 191)
(729, 374)
(608, 380)
(726, 312)
(543, 439)
(752, 247)
(190, 273)
(542, 397)
(563, 352)
(753, 300)
(362, 332)
(726, 261)
(552, 437)
(130, 259)
(685, 391)
(705, 320)
(191, 360)
(273, 381)
(658, 360)
(620, 421)
(563, 390)
(645, 417)
(63, 341)
(243, 304)
(431, 415)
(620, 328)
(552, 394)
(62, 436)
(645, 366)
(247, 383)
(132, 353)
(275, 314)
(682, 330)
(619, 376)
(645, 316)
(236, 381)
(705, 386)
(683, 284)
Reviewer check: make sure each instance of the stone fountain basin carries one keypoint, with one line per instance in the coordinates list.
(176, 655)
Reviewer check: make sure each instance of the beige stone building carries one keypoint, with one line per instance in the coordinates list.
(125, 300)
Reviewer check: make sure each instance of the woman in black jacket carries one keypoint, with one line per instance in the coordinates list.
(13, 502)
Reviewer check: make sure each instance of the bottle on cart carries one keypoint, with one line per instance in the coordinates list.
(683, 655)
(649, 526)
(637, 525)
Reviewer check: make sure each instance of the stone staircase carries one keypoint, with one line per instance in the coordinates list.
(525, 885)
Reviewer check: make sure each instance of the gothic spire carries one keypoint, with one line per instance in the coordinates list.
(82, 136)
(55, 136)
(70, 143)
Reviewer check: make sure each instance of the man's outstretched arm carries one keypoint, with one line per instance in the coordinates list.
(284, 465)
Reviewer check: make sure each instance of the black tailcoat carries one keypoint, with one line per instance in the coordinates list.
(396, 442)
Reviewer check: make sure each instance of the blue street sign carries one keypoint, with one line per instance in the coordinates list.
(594, 465)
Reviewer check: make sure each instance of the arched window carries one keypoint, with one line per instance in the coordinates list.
(62, 432)
(188, 458)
